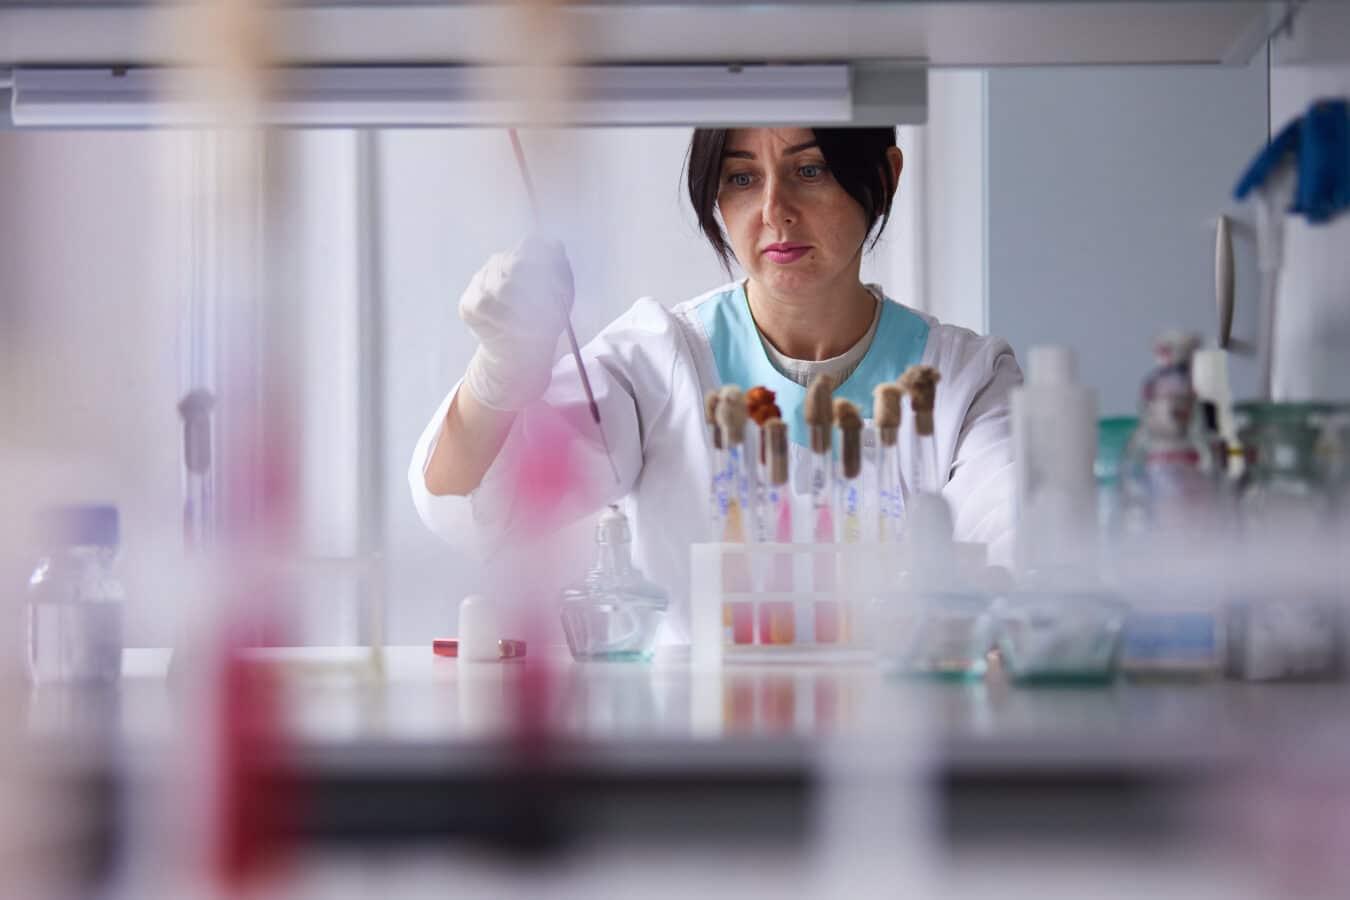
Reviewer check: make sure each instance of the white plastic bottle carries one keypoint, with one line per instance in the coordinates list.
(1054, 420)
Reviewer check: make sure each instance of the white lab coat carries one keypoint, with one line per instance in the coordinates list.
(650, 370)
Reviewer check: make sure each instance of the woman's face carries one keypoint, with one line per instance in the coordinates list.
(793, 229)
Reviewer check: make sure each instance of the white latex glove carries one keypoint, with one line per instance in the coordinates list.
(517, 305)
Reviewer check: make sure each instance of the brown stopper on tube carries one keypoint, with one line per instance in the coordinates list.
(776, 445)
(818, 411)
(759, 403)
(920, 382)
(886, 412)
(731, 415)
(710, 415)
(850, 423)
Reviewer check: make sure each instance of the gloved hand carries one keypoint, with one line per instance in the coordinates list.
(517, 305)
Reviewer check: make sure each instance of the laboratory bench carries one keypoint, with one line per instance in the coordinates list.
(430, 748)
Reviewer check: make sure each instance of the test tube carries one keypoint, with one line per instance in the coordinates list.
(832, 619)
(720, 476)
(890, 504)
(738, 615)
(819, 413)
(920, 382)
(777, 616)
(760, 407)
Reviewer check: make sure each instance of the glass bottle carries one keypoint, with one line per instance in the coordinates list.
(615, 613)
(75, 600)
(1168, 480)
(1290, 628)
(1285, 485)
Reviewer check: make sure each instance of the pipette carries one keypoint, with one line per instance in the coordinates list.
(571, 335)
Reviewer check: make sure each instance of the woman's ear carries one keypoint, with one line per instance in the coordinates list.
(896, 160)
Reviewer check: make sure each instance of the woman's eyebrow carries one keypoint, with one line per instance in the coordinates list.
(746, 154)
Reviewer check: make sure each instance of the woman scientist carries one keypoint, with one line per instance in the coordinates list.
(796, 207)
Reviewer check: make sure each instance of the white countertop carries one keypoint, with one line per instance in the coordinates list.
(334, 699)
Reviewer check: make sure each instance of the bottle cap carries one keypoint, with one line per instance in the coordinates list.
(1052, 365)
(90, 525)
(1175, 347)
(612, 527)
(1209, 375)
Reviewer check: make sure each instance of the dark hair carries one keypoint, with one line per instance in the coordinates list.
(856, 157)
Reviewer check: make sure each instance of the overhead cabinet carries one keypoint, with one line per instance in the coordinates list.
(950, 33)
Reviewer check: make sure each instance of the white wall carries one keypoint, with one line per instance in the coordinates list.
(954, 142)
(1103, 184)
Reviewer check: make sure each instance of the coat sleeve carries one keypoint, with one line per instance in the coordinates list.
(980, 487)
(552, 469)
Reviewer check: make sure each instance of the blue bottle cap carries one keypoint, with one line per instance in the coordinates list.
(88, 525)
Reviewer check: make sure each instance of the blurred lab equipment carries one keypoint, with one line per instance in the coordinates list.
(1285, 488)
(1333, 461)
(938, 622)
(75, 600)
(1061, 623)
(1054, 422)
(1285, 621)
(1209, 377)
(1175, 491)
(1174, 584)
(506, 649)
(1168, 480)
(198, 498)
(1305, 169)
(616, 612)
(1061, 636)
(1113, 437)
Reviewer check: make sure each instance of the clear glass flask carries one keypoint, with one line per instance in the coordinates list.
(615, 613)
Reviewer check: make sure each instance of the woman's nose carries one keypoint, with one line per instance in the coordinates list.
(778, 207)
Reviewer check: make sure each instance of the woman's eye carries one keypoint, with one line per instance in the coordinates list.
(811, 171)
(739, 179)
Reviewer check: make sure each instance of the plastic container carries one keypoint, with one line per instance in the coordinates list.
(1283, 639)
(1176, 627)
(75, 601)
(1054, 424)
(1059, 636)
(1175, 643)
(616, 613)
(945, 634)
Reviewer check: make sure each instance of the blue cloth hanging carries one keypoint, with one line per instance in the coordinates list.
(1321, 141)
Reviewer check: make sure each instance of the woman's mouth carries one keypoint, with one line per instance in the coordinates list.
(786, 252)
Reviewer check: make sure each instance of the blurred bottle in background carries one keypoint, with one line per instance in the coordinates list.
(75, 601)
(1170, 481)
